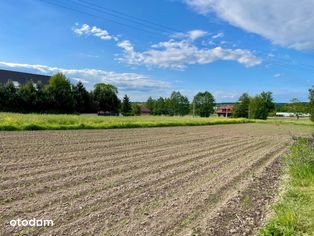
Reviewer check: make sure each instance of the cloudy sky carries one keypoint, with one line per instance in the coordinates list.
(157, 46)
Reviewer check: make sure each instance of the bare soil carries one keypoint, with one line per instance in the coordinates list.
(208, 180)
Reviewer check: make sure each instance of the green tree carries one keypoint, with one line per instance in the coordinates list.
(267, 98)
(10, 97)
(241, 108)
(311, 104)
(2, 97)
(59, 93)
(203, 104)
(297, 107)
(179, 104)
(105, 97)
(150, 103)
(41, 103)
(136, 109)
(257, 108)
(160, 106)
(126, 108)
(261, 105)
(26, 97)
(81, 98)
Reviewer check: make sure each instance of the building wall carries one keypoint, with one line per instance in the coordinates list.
(21, 77)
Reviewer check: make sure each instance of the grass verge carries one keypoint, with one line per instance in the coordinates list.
(294, 213)
(16, 121)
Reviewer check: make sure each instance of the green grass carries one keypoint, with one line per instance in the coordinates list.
(289, 120)
(294, 213)
(16, 121)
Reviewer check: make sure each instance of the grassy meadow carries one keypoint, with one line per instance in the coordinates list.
(294, 213)
(16, 121)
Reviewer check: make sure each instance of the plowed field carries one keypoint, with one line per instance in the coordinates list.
(212, 180)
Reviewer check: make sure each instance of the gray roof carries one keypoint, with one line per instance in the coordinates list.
(21, 77)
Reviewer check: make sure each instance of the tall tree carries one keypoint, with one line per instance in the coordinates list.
(261, 105)
(179, 104)
(267, 98)
(150, 103)
(136, 109)
(106, 99)
(160, 106)
(257, 108)
(60, 94)
(10, 97)
(41, 103)
(81, 98)
(126, 107)
(203, 104)
(26, 97)
(2, 97)
(241, 108)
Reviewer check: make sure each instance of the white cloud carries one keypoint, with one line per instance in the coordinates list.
(131, 81)
(178, 54)
(277, 75)
(192, 35)
(85, 29)
(219, 35)
(287, 23)
(195, 34)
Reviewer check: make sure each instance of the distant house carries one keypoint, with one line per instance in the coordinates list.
(145, 111)
(224, 110)
(21, 77)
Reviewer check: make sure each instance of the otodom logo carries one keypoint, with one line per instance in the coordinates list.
(32, 222)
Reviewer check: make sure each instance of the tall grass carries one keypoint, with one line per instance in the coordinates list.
(15, 121)
(294, 214)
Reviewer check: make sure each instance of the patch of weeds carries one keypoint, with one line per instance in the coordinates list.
(196, 231)
(294, 213)
(124, 221)
(185, 222)
(246, 200)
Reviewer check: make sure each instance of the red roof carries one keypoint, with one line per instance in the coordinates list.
(225, 109)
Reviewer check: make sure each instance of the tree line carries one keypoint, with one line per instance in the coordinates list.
(178, 105)
(261, 106)
(256, 107)
(60, 96)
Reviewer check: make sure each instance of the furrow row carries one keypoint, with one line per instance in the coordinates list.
(153, 191)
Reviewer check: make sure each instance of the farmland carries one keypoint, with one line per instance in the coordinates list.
(148, 181)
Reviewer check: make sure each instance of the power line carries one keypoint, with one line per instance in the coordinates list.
(137, 20)
(56, 3)
(154, 28)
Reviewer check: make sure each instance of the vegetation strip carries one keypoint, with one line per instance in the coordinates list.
(20, 122)
(294, 213)
(15, 122)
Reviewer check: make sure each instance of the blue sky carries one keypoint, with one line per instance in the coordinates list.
(154, 47)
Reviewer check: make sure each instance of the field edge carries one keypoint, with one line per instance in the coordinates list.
(292, 213)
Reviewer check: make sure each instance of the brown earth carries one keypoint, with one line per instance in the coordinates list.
(209, 180)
